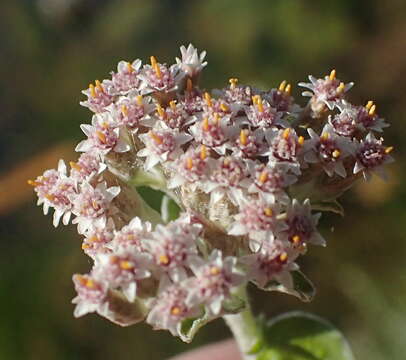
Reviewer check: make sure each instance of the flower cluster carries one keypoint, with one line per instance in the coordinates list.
(247, 167)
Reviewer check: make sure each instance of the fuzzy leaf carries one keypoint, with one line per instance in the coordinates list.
(303, 288)
(301, 336)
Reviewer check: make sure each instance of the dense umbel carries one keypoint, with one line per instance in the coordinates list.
(247, 167)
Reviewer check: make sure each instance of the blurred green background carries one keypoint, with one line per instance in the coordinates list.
(51, 49)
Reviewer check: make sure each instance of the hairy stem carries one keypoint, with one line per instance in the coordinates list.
(244, 327)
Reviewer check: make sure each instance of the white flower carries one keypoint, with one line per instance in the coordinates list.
(191, 63)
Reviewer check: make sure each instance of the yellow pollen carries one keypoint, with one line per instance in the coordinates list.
(283, 257)
(336, 153)
(282, 86)
(189, 85)
(372, 110)
(268, 212)
(99, 86)
(155, 137)
(341, 87)
(324, 136)
(288, 89)
(50, 197)
(255, 99)
(214, 270)
(95, 205)
(175, 310)
(369, 104)
(286, 133)
(243, 137)
(389, 149)
(126, 265)
(224, 107)
(75, 166)
(92, 90)
(260, 105)
(332, 75)
(163, 259)
(172, 104)
(101, 137)
(205, 124)
(296, 239)
(300, 140)
(153, 62)
(207, 97)
(33, 183)
(203, 152)
(233, 82)
(90, 284)
(216, 118)
(263, 177)
(85, 246)
(139, 100)
(124, 110)
(130, 68)
(160, 110)
(189, 163)
(93, 238)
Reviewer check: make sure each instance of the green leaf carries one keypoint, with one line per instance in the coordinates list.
(233, 305)
(301, 336)
(189, 327)
(303, 288)
(331, 206)
(169, 209)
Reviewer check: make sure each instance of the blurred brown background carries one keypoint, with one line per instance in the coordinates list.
(51, 49)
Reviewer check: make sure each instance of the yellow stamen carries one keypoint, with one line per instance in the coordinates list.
(300, 140)
(340, 88)
(139, 100)
(263, 177)
(216, 118)
(33, 183)
(336, 153)
(130, 67)
(160, 110)
(50, 197)
(101, 137)
(369, 104)
(389, 149)
(153, 62)
(288, 89)
(296, 239)
(124, 110)
(155, 137)
(324, 136)
(85, 246)
(189, 85)
(207, 97)
(255, 99)
(286, 133)
(224, 107)
(93, 238)
(372, 110)
(92, 91)
(214, 270)
(283, 257)
(203, 152)
(99, 86)
(189, 163)
(126, 265)
(172, 104)
(243, 137)
(233, 82)
(333, 74)
(163, 259)
(156, 67)
(268, 212)
(90, 284)
(282, 86)
(175, 310)
(75, 166)
(260, 105)
(205, 124)
(95, 205)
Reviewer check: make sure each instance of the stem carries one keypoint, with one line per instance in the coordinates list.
(244, 327)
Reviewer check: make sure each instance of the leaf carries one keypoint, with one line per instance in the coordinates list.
(303, 288)
(332, 206)
(301, 336)
(189, 327)
(233, 305)
(169, 209)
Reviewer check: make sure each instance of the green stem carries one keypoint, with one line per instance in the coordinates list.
(244, 327)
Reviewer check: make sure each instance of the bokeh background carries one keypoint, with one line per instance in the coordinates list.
(51, 49)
